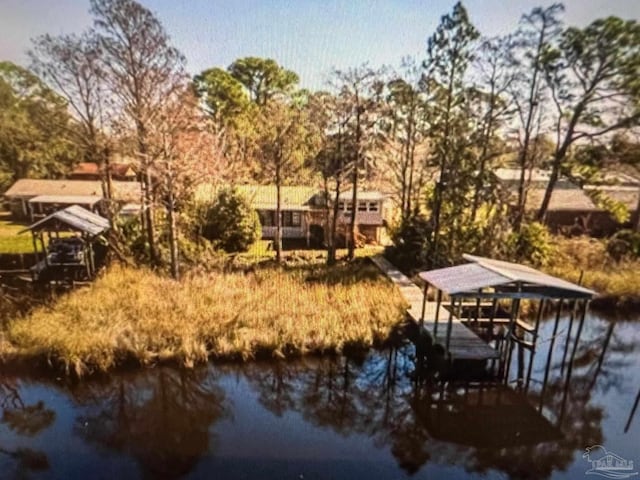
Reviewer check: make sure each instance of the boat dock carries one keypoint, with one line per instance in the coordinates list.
(463, 343)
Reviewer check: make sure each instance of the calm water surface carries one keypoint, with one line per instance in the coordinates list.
(338, 418)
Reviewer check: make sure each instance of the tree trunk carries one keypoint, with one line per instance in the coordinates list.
(553, 178)
(354, 193)
(635, 218)
(148, 216)
(278, 215)
(331, 255)
(173, 240)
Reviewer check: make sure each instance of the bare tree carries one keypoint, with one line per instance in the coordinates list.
(141, 70)
(71, 65)
(360, 90)
(528, 94)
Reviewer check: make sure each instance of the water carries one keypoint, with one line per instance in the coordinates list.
(338, 418)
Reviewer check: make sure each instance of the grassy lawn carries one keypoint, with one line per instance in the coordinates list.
(10, 241)
(134, 314)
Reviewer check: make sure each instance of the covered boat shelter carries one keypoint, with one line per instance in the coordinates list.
(485, 297)
(69, 253)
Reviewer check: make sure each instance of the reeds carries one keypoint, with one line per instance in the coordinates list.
(599, 271)
(134, 314)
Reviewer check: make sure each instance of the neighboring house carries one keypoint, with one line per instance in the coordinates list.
(91, 171)
(35, 198)
(572, 206)
(304, 213)
(620, 188)
(536, 178)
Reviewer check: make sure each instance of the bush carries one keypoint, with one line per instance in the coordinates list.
(624, 244)
(532, 244)
(411, 248)
(230, 222)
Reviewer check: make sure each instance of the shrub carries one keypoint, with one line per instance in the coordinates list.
(624, 244)
(230, 222)
(411, 248)
(532, 244)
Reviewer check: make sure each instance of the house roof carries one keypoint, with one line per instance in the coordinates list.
(263, 197)
(569, 199)
(368, 195)
(536, 176)
(30, 187)
(92, 168)
(481, 273)
(624, 194)
(67, 199)
(74, 218)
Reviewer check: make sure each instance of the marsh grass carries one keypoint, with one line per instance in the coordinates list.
(134, 314)
(600, 272)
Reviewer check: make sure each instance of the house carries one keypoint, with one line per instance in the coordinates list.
(91, 171)
(569, 207)
(303, 211)
(35, 198)
(623, 189)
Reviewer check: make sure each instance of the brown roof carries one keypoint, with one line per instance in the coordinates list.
(625, 195)
(86, 168)
(29, 188)
(574, 199)
(91, 168)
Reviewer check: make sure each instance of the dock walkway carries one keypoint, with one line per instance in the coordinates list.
(464, 344)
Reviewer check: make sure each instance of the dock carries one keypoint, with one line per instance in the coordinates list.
(464, 344)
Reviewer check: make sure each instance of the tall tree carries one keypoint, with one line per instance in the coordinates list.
(263, 78)
(449, 53)
(537, 30)
(360, 91)
(332, 160)
(186, 155)
(35, 128)
(71, 65)
(593, 77)
(492, 110)
(283, 142)
(223, 95)
(141, 70)
(405, 124)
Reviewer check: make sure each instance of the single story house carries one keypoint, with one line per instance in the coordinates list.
(36, 198)
(572, 206)
(303, 211)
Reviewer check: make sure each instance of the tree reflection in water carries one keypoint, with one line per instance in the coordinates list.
(161, 418)
(479, 426)
(24, 420)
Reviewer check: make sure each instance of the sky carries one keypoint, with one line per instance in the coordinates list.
(310, 37)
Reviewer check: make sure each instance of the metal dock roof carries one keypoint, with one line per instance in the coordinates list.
(75, 218)
(510, 278)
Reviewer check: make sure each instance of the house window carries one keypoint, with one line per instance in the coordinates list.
(373, 206)
(291, 219)
(267, 218)
(362, 206)
(340, 205)
(347, 207)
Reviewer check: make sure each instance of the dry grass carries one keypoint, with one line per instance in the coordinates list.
(600, 272)
(132, 314)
